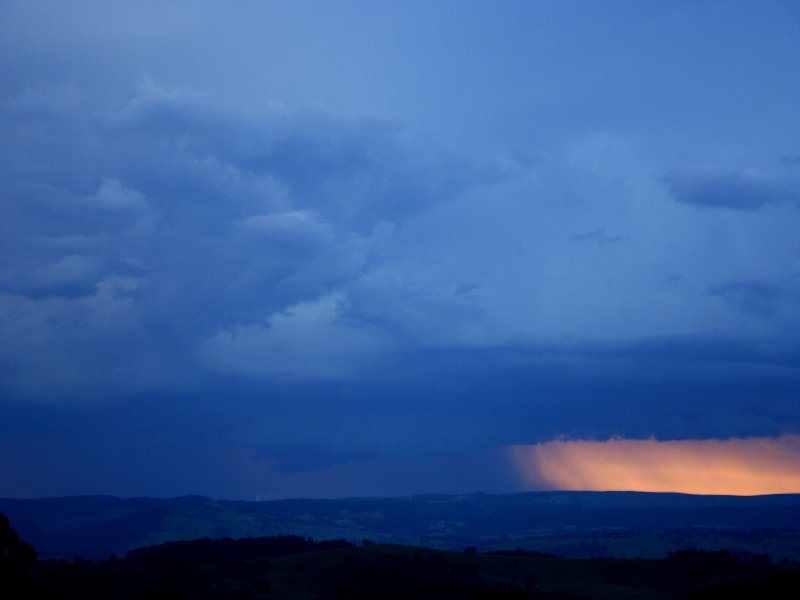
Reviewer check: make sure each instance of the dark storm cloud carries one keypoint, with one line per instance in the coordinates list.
(59, 243)
(443, 403)
(726, 187)
(310, 250)
(356, 172)
(71, 276)
(157, 223)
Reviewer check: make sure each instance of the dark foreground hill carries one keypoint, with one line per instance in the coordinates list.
(292, 567)
(569, 524)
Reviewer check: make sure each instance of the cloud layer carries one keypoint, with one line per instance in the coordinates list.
(315, 242)
(725, 187)
(183, 223)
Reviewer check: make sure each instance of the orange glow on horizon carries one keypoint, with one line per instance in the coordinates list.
(739, 466)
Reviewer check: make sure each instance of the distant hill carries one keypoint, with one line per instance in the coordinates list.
(572, 524)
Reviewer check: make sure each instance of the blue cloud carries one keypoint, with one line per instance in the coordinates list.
(346, 237)
(183, 219)
(726, 187)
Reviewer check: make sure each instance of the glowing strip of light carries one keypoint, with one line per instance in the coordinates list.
(737, 466)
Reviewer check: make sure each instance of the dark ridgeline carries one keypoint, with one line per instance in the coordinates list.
(227, 550)
(573, 524)
(295, 567)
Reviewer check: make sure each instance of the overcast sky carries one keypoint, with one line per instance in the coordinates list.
(273, 249)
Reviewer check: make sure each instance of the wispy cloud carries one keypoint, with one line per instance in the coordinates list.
(598, 236)
(728, 187)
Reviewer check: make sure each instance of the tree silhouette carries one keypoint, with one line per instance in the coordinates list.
(17, 559)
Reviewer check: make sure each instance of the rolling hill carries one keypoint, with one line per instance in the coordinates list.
(570, 524)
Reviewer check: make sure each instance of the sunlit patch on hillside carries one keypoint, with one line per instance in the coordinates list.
(738, 466)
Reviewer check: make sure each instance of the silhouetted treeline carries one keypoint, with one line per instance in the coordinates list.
(227, 550)
(522, 553)
(293, 566)
(202, 569)
(693, 556)
(17, 559)
(779, 586)
(419, 576)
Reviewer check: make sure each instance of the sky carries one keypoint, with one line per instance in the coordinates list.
(261, 250)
